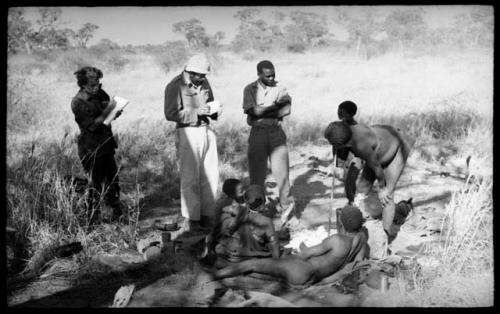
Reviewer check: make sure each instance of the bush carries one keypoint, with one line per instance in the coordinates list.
(297, 47)
(25, 103)
(302, 132)
(45, 210)
(169, 56)
(147, 158)
(461, 273)
(448, 124)
(69, 60)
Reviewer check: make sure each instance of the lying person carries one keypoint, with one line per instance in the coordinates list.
(242, 231)
(314, 264)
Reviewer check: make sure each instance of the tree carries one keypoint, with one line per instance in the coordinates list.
(309, 27)
(246, 15)
(476, 27)
(361, 29)
(217, 38)
(84, 34)
(106, 44)
(255, 33)
(49, 18)
(404, 26)
(48, 34)
(194, 32)
(19, 31)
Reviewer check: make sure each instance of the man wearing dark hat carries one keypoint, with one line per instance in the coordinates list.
(189, 102)
(266, 103)
(96, 144)
(314, 264)
(384, 152)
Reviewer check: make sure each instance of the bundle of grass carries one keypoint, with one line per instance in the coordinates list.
(457, 271)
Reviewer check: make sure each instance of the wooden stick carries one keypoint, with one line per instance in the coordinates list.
(331, 194)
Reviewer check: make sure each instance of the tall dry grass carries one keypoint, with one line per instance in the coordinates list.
(446, 98)
(456, 271)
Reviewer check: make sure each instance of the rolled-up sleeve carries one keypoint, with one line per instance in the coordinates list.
(174, 110)
(82, 114)
(248, 99)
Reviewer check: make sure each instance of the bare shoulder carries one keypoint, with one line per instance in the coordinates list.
(387, 131)
(335, 240)
(362, 131)
(260, 220)
(364, 140)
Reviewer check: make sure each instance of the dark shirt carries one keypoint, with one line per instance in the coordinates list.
(93, 138)
(182, 100)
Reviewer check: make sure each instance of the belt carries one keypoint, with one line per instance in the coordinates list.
(181, 126)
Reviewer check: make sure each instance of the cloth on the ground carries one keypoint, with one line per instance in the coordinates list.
(353, 274)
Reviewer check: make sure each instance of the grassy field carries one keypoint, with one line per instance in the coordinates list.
(439, 99)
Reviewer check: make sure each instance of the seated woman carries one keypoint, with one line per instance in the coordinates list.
(314, 264)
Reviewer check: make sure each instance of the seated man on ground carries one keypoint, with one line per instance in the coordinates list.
(234, 194)
(242, 232)
(315, 264)
(384, 152)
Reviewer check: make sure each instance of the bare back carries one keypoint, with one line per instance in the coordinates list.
(383, 140)
(389, 142)
(340, 248)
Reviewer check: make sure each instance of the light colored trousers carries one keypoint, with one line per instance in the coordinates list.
(199, 163)
(269, 144)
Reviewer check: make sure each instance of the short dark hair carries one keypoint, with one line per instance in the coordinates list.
(351, 218)
(349, 107)
(338, 133)
(83, 74)
(229, 186)
(264, 64)
(255, 196)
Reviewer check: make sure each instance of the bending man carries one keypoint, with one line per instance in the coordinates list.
(384, 152)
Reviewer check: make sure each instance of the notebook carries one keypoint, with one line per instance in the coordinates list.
(120, 104)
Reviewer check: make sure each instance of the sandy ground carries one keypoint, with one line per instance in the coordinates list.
(176, 279)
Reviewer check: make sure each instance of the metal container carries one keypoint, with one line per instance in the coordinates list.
(177, 246)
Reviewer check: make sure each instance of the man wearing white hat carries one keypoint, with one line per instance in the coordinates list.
(190, 103)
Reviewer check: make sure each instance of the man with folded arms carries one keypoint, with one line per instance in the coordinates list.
(266, 103)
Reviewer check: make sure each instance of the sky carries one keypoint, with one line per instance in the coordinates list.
(153, 25)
